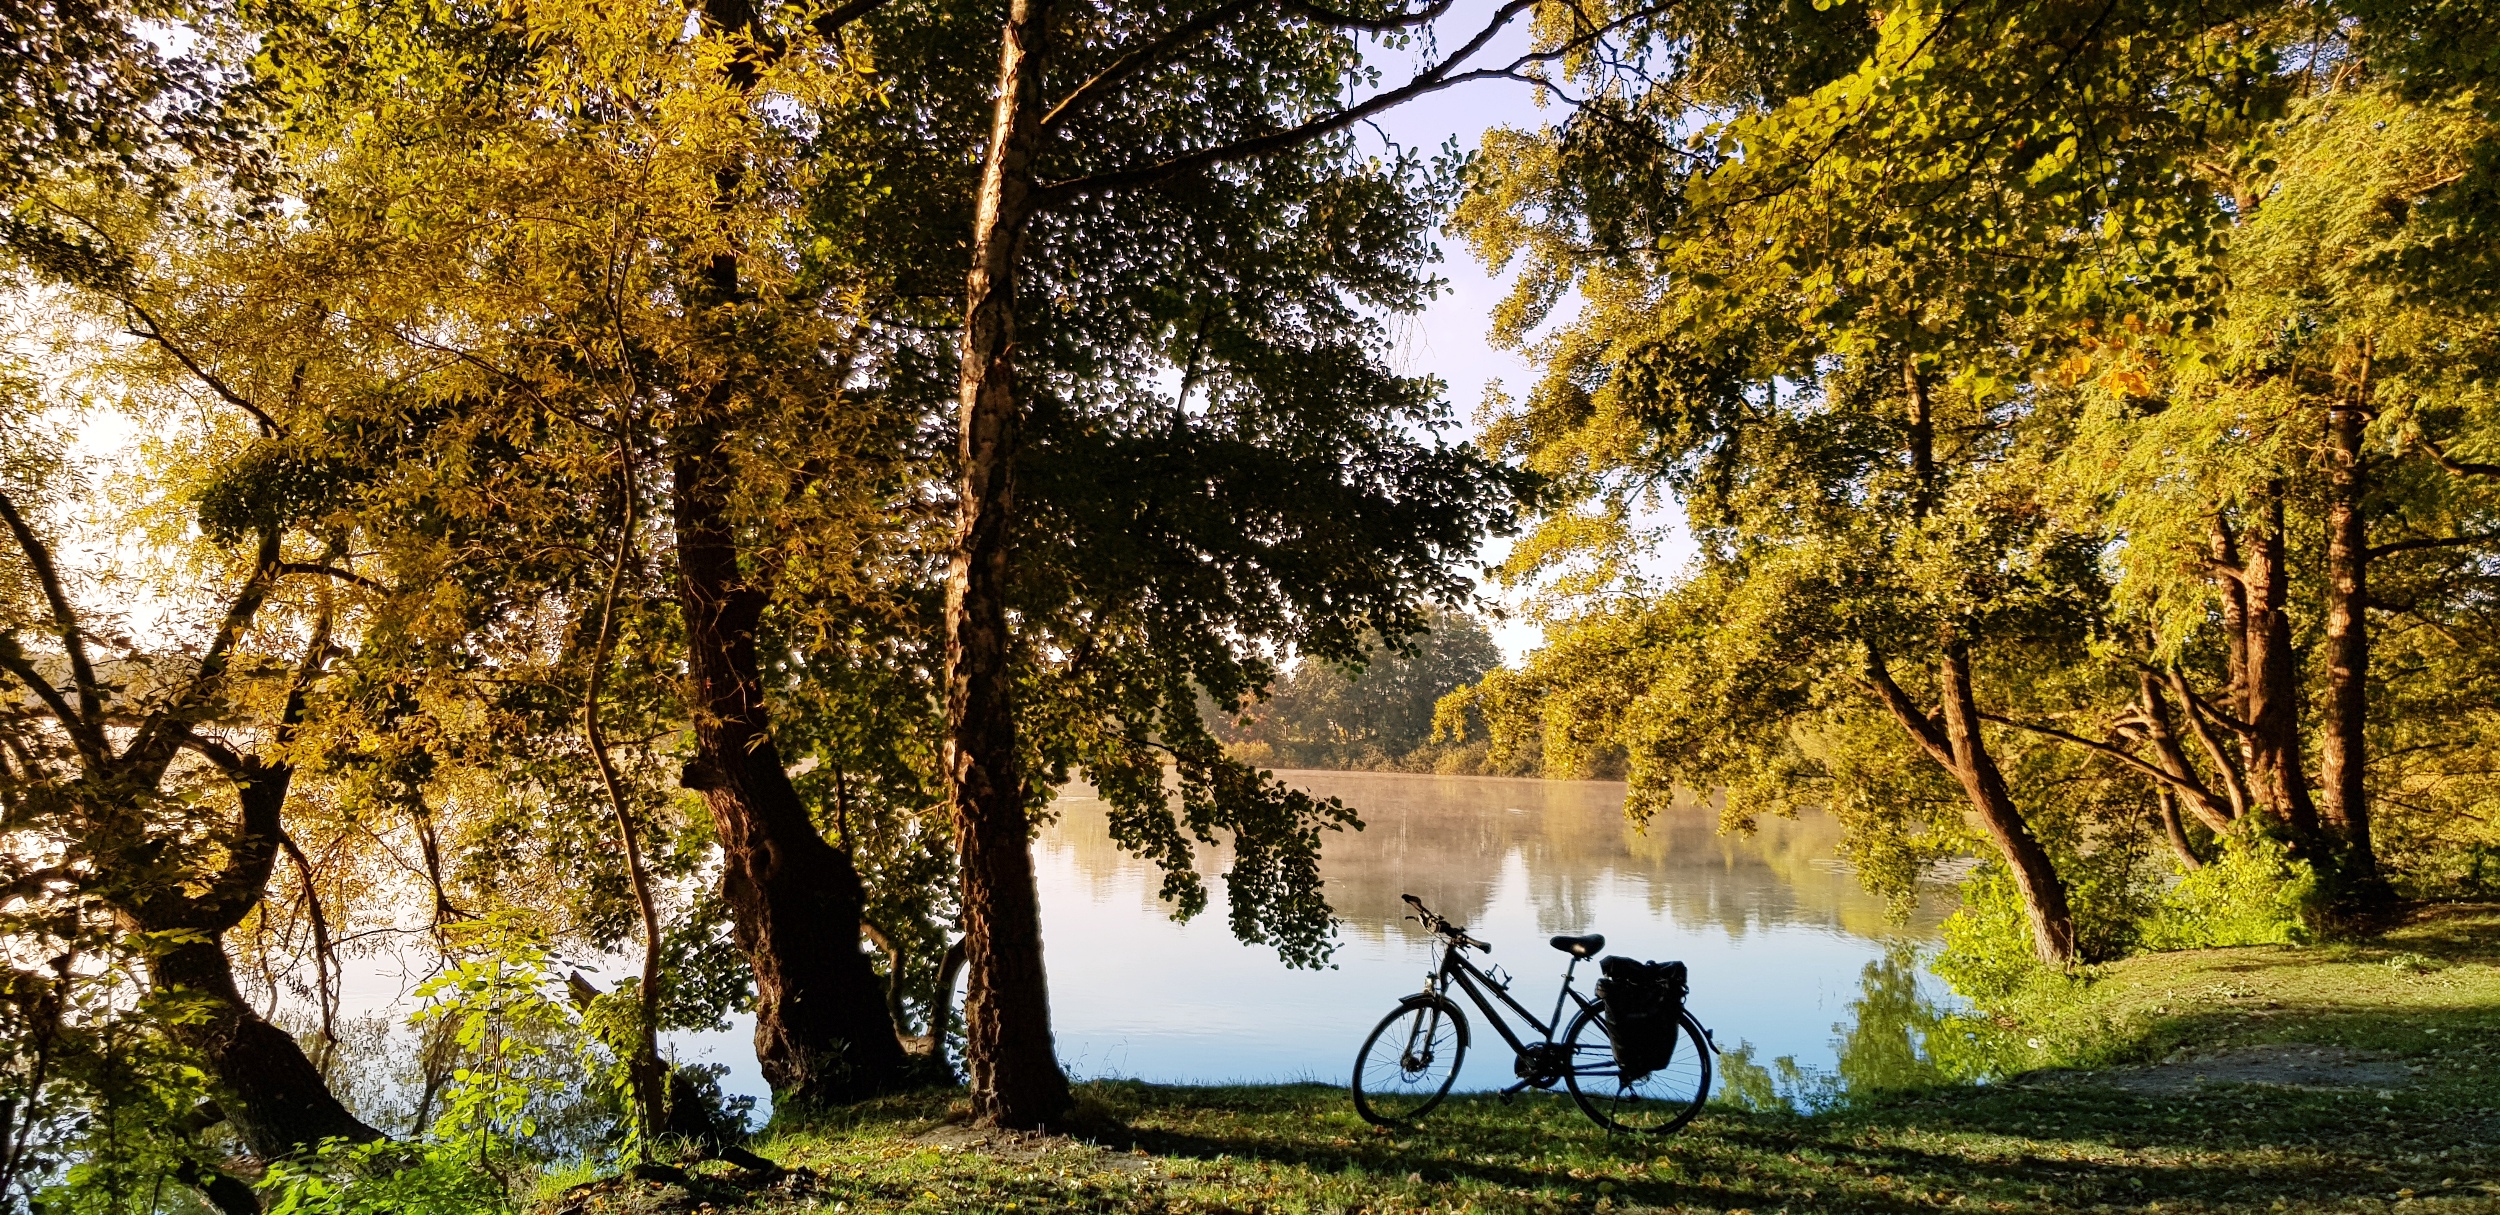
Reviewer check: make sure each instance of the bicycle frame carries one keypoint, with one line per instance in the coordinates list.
(1455, 966)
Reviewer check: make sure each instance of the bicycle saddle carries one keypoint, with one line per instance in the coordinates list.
(1580, 947)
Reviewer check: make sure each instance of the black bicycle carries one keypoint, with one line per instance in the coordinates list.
(1409, 1062)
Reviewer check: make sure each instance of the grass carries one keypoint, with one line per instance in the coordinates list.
(2427, 993)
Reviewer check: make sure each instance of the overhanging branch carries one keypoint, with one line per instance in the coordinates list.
(1444, 75)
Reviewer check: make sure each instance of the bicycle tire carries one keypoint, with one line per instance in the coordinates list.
(1656, 1103)
(1405, 1090)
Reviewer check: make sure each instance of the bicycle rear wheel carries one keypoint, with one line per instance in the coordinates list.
(1649, 1103)
(1409, 1062)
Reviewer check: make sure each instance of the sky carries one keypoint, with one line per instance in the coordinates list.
(1449, 339)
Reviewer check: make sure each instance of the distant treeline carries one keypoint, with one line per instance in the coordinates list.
(1379, 717)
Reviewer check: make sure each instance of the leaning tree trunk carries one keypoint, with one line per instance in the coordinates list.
(2274, 687)
(1952, 739)
(264, 1085)
(2346, 753)
(822, 1035)
(2044, 893)
(1012, 1065)
(821, 1031)
(268, 1090)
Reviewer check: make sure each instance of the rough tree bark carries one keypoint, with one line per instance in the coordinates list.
(1013, 1067)
(1951, 737)
(2273, 683)
(2343, 771)
(821, 1032)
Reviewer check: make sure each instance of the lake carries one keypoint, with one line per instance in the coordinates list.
(1781, 941)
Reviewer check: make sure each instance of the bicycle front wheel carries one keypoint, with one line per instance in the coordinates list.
(1656, 1102)
(1409, 1062)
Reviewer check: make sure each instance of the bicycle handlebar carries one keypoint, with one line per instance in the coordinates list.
(1455, 934)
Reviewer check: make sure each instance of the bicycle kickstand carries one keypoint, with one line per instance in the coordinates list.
(1514, 1090)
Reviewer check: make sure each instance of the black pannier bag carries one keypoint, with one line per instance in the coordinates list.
(1644, 1000)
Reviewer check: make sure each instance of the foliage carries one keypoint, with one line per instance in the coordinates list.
(1378, 714)
(1987, 953)
(342, 1178)
(2256, 893)
(503, 1009)
(2311, 1149)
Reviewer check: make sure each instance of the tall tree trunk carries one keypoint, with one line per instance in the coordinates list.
(2274, 684)
(821, 1032)
(2230, 578)
(2346, 753)
(272, 1095)
(1012, 1064)
(2044, 893)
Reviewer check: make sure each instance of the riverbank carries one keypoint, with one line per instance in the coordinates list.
(2324, 1078)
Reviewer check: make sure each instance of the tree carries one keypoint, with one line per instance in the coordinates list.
(1322, 715)
(164, 772)
(1241, 102)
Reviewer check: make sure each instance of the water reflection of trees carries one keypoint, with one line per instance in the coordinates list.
(1450, 839)
(1898, 1037)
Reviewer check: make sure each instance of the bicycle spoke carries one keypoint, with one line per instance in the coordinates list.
(1408, 1063)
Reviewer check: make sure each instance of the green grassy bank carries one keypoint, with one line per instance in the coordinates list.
(2391, 1050)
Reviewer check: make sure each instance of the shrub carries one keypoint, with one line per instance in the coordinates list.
(2256, 894)
(1988, 955)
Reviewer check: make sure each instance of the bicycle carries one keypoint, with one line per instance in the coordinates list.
(1402, 1083)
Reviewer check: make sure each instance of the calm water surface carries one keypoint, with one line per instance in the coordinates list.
(1790, 960)
(1781, 941)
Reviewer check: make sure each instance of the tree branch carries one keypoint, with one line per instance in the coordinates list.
(13, 660)
(830, 22)
(163, 732)
(2112, 750)
(2462, 468)
(328, 571)
(156, 333)
(1137, 60)
(64, 620)
(1879, 684)
(1431, 80)
(2406, 546)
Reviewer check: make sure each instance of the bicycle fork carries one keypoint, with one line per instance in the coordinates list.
(1429, 1029)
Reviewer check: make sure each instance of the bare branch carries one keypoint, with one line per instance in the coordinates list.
(2462, 468)
(215, 751)
(1923, 728)
(330, 571)
(1145, 56)
(162, 734)
(2112, 750)
(13, 660)
(225, 392)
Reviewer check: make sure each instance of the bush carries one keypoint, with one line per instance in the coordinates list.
(343, 1178)
(1988, 954)
(2256, 894)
